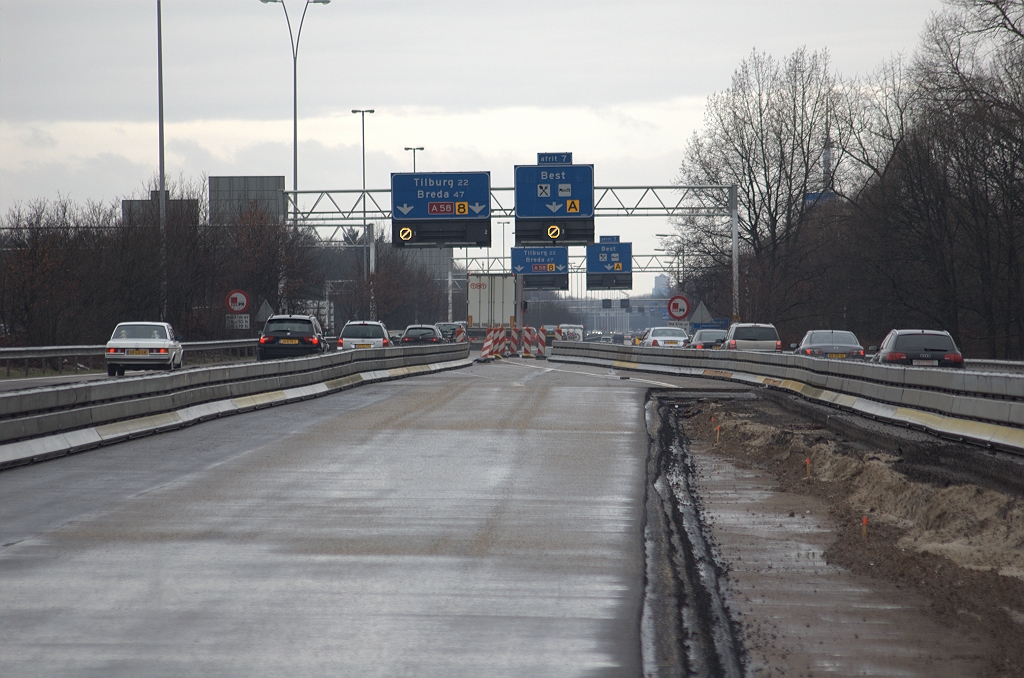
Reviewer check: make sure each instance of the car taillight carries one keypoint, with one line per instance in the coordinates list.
(115, 350)
(405, 338)
(316, 341)
(893, 357)
(699, 346)
(163, 350)
(435, 340)
(860, 353)
(654, 342)
(807, 351)
(953, 357)
(732, 344)
(383, 343)
(778, 345)
(341, 342)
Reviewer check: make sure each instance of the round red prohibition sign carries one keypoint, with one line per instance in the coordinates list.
(678, 307)
(237, 301)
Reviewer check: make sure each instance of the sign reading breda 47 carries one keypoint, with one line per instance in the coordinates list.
(441, 209)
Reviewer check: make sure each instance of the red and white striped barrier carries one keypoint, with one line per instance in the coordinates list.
(558, 333)
(514, 339)
(542, 343)
(460, 335)
(527, 340)
(485, 352)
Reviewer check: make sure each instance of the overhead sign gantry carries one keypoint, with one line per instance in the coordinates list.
(554, 201)
(441, 209)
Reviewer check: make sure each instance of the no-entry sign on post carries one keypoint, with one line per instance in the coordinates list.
(237, 301)
(678, 307)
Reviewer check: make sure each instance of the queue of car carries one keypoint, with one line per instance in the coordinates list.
(915, 348)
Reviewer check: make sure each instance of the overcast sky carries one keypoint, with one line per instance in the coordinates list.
(481, 85)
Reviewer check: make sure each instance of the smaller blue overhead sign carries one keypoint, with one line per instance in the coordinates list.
(538, 260)
(554, 191)
(614, 257)
(554, 158)
(441, 195)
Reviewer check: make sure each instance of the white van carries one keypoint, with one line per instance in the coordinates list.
(571, 332)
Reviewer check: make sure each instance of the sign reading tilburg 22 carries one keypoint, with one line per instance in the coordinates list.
(440, 196)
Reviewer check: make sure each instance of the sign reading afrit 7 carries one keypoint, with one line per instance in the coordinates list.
(441, 209)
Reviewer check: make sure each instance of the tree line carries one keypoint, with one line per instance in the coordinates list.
(69, 272)
(892, 200)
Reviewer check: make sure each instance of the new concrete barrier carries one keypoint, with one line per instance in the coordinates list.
(984, 408)
(35, 413)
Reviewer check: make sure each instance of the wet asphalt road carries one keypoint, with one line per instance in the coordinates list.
(485, 521)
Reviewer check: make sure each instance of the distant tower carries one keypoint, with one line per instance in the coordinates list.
(826, 159)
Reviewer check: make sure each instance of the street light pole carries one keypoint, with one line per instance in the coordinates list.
(294, 39)
(162, 198)
(371, 265)
(417, 148)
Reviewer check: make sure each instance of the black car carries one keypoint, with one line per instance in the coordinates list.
(290, 336)
(447, 330)
(706, 339)
(919, 348)
(834, 344)
(421, 334)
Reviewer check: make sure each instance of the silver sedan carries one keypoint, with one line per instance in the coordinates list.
(142, 346)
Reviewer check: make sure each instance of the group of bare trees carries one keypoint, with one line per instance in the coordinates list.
(70, 272)
(895, 200)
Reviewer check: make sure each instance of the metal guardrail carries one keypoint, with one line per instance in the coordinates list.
(55, 357)
(983, 407)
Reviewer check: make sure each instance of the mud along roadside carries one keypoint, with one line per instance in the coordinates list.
(934, 590)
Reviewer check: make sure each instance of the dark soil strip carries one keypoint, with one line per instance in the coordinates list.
(688, 628)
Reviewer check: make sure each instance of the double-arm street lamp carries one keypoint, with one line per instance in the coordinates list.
(371, 244)
(295, 37)
(417, 148)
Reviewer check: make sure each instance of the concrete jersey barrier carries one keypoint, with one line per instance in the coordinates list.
(904, 394)
(36, 412)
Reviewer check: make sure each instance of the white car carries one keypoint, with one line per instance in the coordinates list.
(142, 346)
(363, 334)
(665, 337)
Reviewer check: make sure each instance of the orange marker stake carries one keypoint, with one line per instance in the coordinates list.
(864, 528)
(718, 433)
(807, 463)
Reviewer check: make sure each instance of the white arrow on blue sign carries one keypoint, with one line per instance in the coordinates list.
(540, 260)
(440, 195)
(609, 257)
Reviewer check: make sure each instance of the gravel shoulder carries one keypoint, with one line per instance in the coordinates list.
(934, 589)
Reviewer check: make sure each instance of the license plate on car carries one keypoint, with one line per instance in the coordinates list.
(671, 343)
(837, 355)
(926, 363)
(364, 345)
(289, 341)
(137, 351)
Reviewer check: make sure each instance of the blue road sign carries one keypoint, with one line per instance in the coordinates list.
(554, 158)
(538, 260)
(440, 195)
(554, 191)
(609, 238)
(610, 257)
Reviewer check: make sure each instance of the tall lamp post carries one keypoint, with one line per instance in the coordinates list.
(162, 198)
(294, 38)
(417, 148)
(371, 266)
